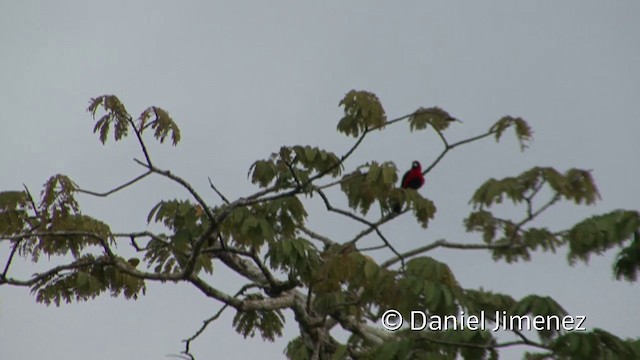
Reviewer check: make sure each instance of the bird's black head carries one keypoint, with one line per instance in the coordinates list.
(415, 165)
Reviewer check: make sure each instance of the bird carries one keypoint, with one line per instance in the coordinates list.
(412, 179)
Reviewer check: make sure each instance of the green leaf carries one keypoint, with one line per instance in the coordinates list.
(91, 277)
(576, 185)
(388, 351)
(423, 209)
(133, 261)
(596, 344)
(433, 116)
(296, 350)
(627, 265)
(523, 131)
(429, 284)
(115, 114)
(264, 171)
(600, 233)
(163, 125)
(13, 211)
(389, 173)
(377, 184)
(268, 323)
(58, 197)
(477, 301)
(546, 308)
(362, 112)
(310, 160)
(340, 353)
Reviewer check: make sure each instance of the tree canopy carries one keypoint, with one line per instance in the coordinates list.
(325, 283)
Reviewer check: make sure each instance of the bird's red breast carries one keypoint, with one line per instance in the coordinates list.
(413, 179)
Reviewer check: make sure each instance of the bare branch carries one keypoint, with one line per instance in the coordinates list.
(10, 259)
(373, 226)
(391, 122)
(314, 235)
(184, 183)
(79, 233)
(116, 189)
(372, 248)
(31, 201)
(37, 277)
(339, 181)
(208, 321)
(226, 201)
(448, 245)
(489, 345)
(143, 146)
(448, 147)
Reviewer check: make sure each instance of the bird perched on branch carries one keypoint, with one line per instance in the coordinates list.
(412, 179)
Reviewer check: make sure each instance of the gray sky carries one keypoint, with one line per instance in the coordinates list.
(242, 79)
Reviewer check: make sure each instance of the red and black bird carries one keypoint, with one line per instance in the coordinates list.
(412, 179)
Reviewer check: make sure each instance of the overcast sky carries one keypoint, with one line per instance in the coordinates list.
(243, 78)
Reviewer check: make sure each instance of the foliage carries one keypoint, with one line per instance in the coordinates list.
(266, 239)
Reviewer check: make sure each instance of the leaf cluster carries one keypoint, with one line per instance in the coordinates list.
(253, 226)
(294, 167)
(434, 116)
(337, 283)
(362, 112)
(14, 212)
(268, 322)
(594, 344)
(89, 278)
(575, 184)
(376, 183)
(429, 285)
(523, 131)
(116, 115)
(170, 253)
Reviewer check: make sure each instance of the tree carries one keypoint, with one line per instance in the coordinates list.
(290, 268)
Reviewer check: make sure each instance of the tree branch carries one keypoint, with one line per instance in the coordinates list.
(10, 259)
(323, 239)
(371, 225)
(448, 147)
(208, 321)
(226, 201)
(197, 247)
(143, 146)
(116, 189)
(445, 244)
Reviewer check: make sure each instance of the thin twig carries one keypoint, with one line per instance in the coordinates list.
(116, 189)
(448, 147)
(489, 345)
(371, 225)
(208, 321)
(314, 235)
(143, 146)
(218, 192)
(372, 248)
(446, 244)
(31, 201)
(214, 221)
(10, 259)
(510, 244)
